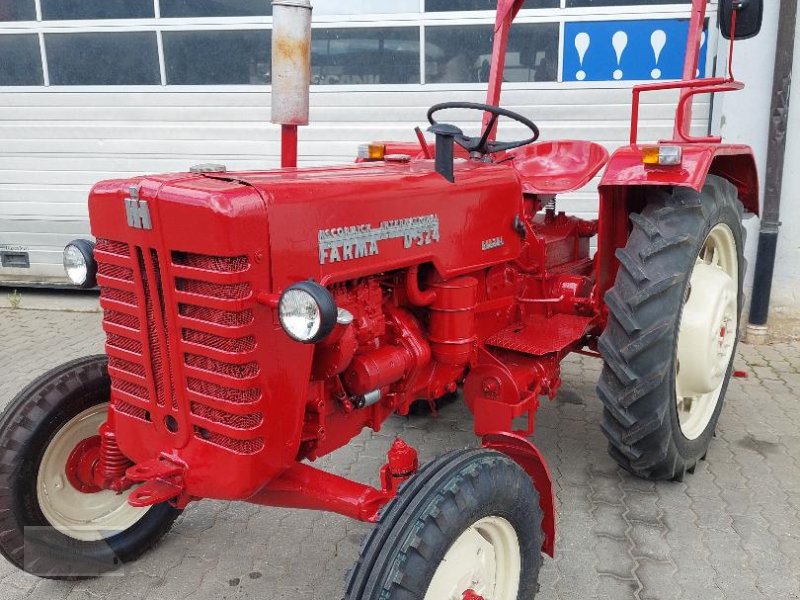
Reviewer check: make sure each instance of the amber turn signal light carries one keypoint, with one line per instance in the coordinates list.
(372, 152)
(662, 155)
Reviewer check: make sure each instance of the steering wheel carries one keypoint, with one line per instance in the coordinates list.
(482, 144)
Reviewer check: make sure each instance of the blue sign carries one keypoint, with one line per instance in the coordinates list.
(628, 50)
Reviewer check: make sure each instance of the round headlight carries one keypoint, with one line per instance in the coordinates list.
(307, 312)
(79, 263)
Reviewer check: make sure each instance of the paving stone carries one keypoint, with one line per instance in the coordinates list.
(658, 581)
(612, 588)
(731, 531)
(649, 542)
(610, 521)
(613, 556)
(642, 507)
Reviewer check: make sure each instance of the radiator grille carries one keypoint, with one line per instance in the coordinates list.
(158, 351)
(206, 347)
(132, 411)
(236, 291)
(119, 295)
(221, 392)
(214, 343)
(127, 366)
(220, 317)
(133, 389)
(243, 371)
(248, 421)
(122, 319)
(220, 264)
(115, 271)
(125, 343)
(217, 342)
(112, 247)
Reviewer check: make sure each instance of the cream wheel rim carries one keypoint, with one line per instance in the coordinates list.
(708, 330)
(85, 517)
(485, 559)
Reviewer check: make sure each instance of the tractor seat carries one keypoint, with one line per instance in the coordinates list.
(556, 167)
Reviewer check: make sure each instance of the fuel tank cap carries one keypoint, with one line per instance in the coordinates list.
(208, 168)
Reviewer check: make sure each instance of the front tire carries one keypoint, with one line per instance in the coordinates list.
(48, 526)
(671, 338)
(468, 521)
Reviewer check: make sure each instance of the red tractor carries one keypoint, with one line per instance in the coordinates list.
(258, 321)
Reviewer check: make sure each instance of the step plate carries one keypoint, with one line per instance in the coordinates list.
(541, 335)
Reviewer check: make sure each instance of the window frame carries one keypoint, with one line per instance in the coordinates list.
(420, 20)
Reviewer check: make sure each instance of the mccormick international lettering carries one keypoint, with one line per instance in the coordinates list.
(360, 241)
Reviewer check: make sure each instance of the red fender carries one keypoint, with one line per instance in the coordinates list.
(731, 161)
(527, 456)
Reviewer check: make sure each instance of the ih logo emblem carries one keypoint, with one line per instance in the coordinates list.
(137, 211)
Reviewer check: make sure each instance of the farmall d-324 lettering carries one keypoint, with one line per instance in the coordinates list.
(258, 321)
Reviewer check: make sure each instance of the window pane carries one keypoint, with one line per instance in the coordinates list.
(532, 52)
(458, 54)
(217, 57)
(593, 3)
(22, 61)
(455, 5)
(365, 56)
(215, 8)
(462, 54)
(97, 9)
(17, 10)
(103, 58)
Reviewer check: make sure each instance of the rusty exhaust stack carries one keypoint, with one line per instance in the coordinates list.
(291, 71)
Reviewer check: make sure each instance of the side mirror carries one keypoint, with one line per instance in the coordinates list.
(749, 14)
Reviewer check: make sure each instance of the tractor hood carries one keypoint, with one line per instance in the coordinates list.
(337, 224)
(328, 224)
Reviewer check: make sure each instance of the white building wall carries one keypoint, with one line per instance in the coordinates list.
(743, 117)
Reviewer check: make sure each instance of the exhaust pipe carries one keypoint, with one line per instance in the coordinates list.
(291, 71)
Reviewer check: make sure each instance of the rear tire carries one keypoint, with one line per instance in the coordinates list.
(658, 427)
(464, 509)
(69, 400)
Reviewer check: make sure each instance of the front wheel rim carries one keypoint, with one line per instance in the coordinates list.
(485, 559)
(86, 517)
(708, 331)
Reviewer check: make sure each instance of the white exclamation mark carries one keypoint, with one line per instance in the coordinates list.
(620, 42)
(658, 40)
(582, 42)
